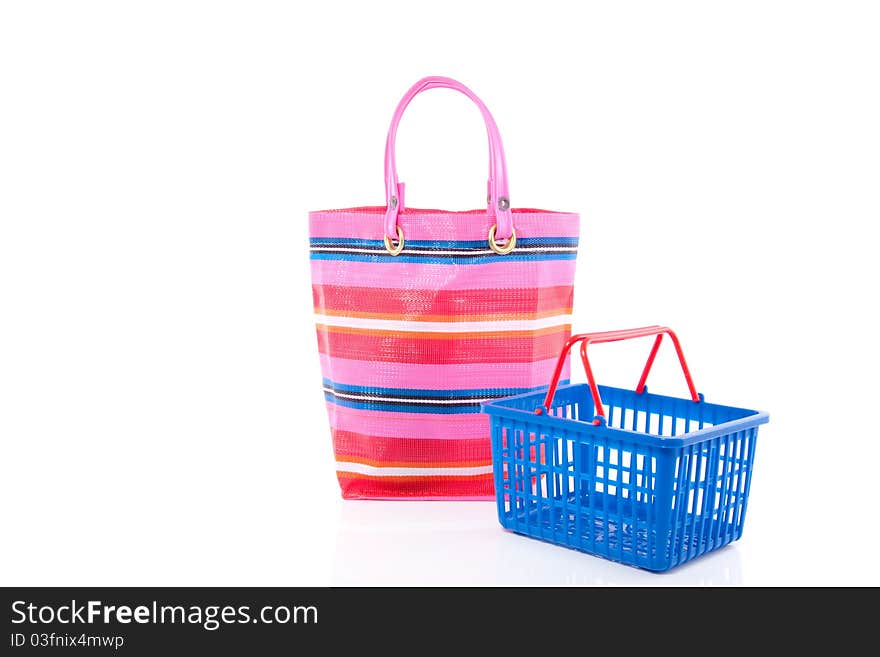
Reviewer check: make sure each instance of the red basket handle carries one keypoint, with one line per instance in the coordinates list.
(614, 336)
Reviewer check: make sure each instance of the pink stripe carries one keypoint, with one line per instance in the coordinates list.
(439, 225)
(407, 425)
(386, 374)
(418, 276)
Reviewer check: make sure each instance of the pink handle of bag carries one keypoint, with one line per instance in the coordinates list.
(498, 195)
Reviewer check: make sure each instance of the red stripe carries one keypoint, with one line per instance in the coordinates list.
(416, 303)
(356, 486)
(415, 451)
(397, 348)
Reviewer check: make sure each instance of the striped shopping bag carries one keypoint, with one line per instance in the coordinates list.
(423, 314)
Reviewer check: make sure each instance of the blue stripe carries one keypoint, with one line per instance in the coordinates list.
(418, 393)
(465, 407)
(445, 409)
(444, 260)
(440, 244)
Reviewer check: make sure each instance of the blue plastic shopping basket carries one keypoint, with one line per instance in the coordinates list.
(647, 480)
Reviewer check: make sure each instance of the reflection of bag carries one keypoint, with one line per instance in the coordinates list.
(423, 314)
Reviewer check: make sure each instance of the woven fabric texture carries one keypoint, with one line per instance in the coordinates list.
(411, 344)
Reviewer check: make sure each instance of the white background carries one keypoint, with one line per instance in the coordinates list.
(161, 416)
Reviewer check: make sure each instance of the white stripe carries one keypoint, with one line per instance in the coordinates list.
(362, 468)
(411, 400)
(443, 327)
(522, 249)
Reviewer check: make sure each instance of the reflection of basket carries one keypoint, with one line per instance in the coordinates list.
(647, 480)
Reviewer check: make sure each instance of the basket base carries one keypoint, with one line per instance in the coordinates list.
(633, 543)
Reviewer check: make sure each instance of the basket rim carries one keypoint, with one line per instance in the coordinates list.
(752, 419)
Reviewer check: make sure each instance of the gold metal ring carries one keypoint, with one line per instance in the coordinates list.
(506, 248)
(395, 250)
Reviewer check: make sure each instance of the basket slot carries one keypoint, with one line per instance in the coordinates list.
(556, 498)
(711, 489)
